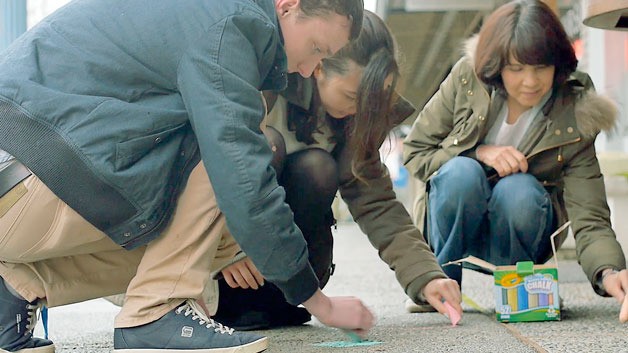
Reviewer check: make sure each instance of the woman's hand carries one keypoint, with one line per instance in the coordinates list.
(443, 289)
(505, 160)
(243, 274)
(347, 313)
(616, 284)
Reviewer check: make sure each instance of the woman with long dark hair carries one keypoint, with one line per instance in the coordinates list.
(326, 132)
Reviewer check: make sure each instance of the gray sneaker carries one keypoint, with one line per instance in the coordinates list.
(186, 329)
(18, 318)
(423, 307)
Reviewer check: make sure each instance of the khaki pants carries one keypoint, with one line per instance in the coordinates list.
(48, 251)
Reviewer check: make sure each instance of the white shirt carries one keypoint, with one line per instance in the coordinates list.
(504, 134)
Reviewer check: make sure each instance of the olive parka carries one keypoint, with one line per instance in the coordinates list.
(559, 147)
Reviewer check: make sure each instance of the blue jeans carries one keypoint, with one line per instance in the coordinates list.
(502, 222)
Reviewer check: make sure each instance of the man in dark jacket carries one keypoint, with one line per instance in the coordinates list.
(106, 110)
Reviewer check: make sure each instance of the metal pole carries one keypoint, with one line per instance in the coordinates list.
(13, 21)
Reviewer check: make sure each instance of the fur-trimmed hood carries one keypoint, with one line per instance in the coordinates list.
(594, 112)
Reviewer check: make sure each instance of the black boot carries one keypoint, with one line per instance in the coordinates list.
(257, 309)
(18, 318)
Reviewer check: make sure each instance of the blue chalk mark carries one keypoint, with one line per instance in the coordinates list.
(344, 344)
(353, 336)
(355, 341)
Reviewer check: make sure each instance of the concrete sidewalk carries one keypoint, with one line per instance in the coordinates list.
(589, 324)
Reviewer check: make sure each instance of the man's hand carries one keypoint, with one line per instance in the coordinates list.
(505, 160)
(443, 289)
(342, 312)
(616, 284)
(243, 274)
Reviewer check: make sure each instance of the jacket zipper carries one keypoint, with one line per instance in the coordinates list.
(554, 146)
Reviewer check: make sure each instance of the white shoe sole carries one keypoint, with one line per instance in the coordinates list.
(412, 307)
(43, 349)
(254, 347)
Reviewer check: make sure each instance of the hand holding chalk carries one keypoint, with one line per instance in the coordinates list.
(454, 316)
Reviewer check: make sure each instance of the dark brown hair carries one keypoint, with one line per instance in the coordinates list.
(353, 9)
(532, 33)
(375, 52)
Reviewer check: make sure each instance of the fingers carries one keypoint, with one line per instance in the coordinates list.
(623, 280)
(257, 276)
(230, 280)
(243, 274)
(443, 289)
(235, 279)
(510, 161)
(348, 313)
(616, 284)
(246, 276)
(454, 300)
(351, 313)
(623, 312)
(505, 160)
(523, 164)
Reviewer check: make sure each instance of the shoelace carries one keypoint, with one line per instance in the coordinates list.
(191, 307)
(31, 311)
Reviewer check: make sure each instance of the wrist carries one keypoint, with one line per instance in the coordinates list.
(608, 271)
(602, 275)
(318, 303)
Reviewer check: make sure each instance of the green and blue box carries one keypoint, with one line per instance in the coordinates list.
(526, 292)
(523, 292)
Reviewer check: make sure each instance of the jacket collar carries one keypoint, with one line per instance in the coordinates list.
(276, 77)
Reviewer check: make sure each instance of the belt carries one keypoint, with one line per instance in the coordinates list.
(12, 175)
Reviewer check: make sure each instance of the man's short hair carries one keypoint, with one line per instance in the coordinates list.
(352, 9)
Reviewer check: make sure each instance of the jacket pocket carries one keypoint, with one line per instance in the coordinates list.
(131, 151)
(464, 130)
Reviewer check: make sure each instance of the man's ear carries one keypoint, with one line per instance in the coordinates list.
(284, 7)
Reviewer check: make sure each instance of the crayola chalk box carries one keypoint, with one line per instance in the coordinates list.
(526, 292)
(523, 292)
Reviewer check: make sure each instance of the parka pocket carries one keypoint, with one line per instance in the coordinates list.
(131, 151)
(463, 131)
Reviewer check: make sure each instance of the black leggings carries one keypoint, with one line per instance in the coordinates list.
(310, 179)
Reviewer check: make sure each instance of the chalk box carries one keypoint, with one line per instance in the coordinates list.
(526, 292)
(523, 292)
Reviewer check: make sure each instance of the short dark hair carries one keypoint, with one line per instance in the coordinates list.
(532, 33)
(352, 9)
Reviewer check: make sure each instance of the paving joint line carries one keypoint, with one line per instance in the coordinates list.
(525, 340)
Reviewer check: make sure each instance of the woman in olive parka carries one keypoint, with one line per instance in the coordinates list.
(505, 152)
